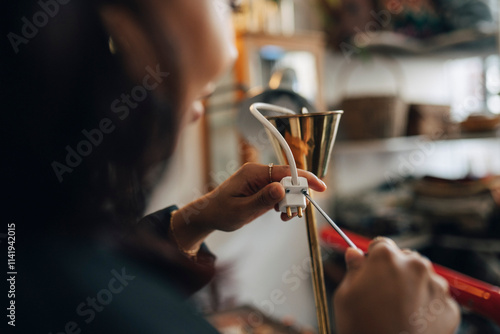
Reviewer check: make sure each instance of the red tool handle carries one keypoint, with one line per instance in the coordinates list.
(474, 294)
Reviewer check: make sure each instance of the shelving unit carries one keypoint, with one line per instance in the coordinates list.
(381, 154)
(459, 40)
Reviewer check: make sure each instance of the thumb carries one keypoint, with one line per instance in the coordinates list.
(268, 196)
(354, 258)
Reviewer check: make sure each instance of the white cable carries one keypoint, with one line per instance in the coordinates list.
(291, 161)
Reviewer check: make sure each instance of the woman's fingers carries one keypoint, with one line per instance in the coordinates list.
(383, 247)
(285, 218)
(354, 259)
(313, 181)
(395, 286)
(440, 285)
(252, 179)
(416, 262)
(280, 171)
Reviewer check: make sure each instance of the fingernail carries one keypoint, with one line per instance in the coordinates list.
(321, 181)
(350, 252)
(384, 240)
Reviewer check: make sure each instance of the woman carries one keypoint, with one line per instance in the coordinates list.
(96, 94)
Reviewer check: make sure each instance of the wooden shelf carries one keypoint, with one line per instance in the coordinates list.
(461, 40)
(403, 144)
(389, 145)
(475, 135)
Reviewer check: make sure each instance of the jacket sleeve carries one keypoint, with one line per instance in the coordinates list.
(192, 274)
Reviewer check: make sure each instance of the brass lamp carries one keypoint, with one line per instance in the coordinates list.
(311, 137)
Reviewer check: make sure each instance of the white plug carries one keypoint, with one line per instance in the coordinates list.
(294, 201)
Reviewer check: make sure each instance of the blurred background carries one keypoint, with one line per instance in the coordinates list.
(417, 156)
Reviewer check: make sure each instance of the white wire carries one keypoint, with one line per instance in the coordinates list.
(291, 161)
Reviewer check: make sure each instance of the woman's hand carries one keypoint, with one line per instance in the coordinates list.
(393, 291)
(246, 195)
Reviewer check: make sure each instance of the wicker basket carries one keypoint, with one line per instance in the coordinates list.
(372, 116)
(429, 120)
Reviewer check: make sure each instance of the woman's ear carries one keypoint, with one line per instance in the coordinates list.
(128, 40)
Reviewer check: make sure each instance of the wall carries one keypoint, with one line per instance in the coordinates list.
(183, 179)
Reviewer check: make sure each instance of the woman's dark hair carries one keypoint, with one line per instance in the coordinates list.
(82, 137)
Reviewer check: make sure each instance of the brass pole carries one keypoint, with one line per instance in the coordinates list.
(311, 138)
(317, 273)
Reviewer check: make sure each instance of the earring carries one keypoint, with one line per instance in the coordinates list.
(111, 45)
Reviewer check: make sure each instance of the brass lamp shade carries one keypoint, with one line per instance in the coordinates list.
(310, 137)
